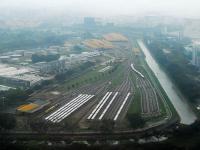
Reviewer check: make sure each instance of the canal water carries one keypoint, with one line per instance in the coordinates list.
(186, 114)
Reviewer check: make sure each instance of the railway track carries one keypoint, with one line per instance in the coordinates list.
(125, 88)
(149, 100)
(109, 105)
(66, 97)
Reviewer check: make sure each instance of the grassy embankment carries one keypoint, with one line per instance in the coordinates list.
(166, 107)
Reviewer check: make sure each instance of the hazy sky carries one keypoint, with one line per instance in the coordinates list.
(109, 7)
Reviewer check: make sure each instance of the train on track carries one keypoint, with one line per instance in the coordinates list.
(139, 73)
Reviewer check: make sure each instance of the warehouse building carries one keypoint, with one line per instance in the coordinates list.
(18, 77)
(53, 67)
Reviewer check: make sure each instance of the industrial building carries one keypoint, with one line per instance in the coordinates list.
(83, 57)
(53, 67)
(18, 77)
(196, 55)
(5, 88)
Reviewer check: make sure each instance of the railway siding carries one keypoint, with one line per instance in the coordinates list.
(69, 108)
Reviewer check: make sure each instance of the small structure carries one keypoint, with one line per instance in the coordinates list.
(32, 107)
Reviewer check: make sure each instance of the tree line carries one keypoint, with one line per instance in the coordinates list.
(177, 66)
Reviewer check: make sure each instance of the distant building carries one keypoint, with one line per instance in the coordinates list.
(153, 20)
(196, 55)
(5, 88)
(110, 24)
(4, 59)
(180, 35)
(83, 57)
(53, 67)
(18, 77)
(89, 22)
(21, 81)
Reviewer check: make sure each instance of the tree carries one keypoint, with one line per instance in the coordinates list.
(177, 66)
(107, 125)
(7, 121)
(135, 120)
(68, 88)
(40, 58)
(13, 96)
(77, 49)
(39, 125)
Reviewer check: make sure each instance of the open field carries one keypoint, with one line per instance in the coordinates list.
(98, 44)
(115, 37)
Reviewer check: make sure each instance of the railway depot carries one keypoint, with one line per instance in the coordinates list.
(109, 92)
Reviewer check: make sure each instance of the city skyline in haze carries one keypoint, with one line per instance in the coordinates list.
(105, 8)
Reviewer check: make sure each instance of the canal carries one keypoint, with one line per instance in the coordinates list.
(186, 114)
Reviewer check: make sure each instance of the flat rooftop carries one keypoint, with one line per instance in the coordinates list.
(22, 73)
(6, 70)
(5, 88)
